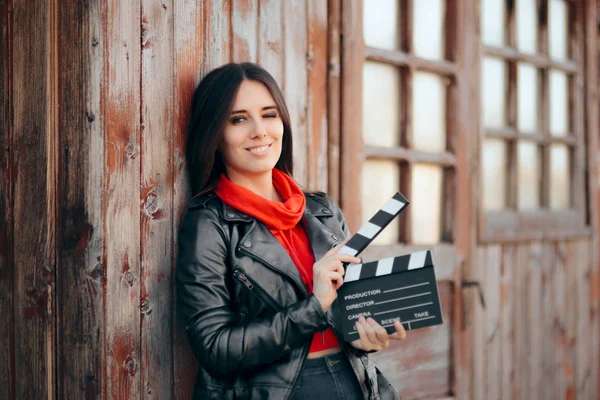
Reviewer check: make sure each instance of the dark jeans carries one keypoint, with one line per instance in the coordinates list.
(327, 378)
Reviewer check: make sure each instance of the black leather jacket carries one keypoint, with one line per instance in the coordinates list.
(247, 314)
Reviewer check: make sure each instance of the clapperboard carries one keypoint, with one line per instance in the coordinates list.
(398, 288)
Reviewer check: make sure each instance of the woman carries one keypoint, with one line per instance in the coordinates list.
(258, 267)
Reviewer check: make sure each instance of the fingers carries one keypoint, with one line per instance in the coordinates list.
(400, 333)
(372, 335)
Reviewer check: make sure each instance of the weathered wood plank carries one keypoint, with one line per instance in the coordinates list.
(493, 333)
(270, 41)
(506, 321)
(295, 80)
(317, 157)
(7, 366)
(216, 27)
(561, 320)
(188, 53)
(334, 11)
(244, 21)
(351, 104)
(122, 194)
(156, 199)
(520, 318)
(535, 291)
(582, 267)
(33, 199)
(79, 239)
(479, 329)
(418, 366)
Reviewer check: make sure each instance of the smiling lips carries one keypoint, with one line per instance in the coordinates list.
(259, 150)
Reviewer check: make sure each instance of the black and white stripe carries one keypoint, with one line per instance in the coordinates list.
(386, 266)
(369, 231)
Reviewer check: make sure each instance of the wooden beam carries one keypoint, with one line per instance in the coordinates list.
(7, 338)
(402, 59)
(445, 159)
(538, 60)
(540, 137)
(334, 26)
(351, 103)
(80, 238)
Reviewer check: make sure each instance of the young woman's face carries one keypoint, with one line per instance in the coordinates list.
(251, 142)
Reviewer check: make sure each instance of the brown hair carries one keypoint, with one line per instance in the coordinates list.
(211, 106)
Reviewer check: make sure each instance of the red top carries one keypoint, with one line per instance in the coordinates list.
(282, 219)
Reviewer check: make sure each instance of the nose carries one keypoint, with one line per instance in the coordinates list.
(259, 130)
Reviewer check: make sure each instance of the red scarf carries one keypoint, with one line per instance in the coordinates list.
(282, 219)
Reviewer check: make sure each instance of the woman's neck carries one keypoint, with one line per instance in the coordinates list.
(261, 184)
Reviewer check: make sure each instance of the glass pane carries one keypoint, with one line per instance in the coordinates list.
(527, 89)
(494, 174)
(529, 176)
(380, 181)
(560, 177)
(429, 112)
(426, 197)
(492, 22)
(527, 25)
(381, 105)
(493, 92)
(380, 24)
(428, 22)
(557, 29)
(559, 103)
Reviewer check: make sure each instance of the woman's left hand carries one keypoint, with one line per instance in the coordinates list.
(374, 337)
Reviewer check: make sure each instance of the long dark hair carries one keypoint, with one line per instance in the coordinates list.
(211, 106)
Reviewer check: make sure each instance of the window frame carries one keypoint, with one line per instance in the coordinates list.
(512, 224)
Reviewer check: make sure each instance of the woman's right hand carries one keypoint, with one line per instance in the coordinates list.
(328, 275)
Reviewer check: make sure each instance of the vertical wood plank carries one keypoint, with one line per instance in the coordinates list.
(334, 10)
(317, 157)
(506, 321)
(562, 322)
(33, 199)
(295, 80)
(493, 349)
(270, 40)
(351, 104)
(187, 69)
(583, 378)
(244, 22)
(79, 238)
(534, 304)
(520, 318)
(217, 27)
(7, 372)
(570, 312)
(546, 320)
(156, 198)
(480, 330)
(122, 191)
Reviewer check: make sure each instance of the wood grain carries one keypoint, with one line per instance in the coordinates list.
(317, 158)
(187, 71)
(493, 333)
(33, 190)
(270, 38)
(7, 346)
(79, 234)
(334, 11)
(122, 193)
(156, 187)
(506, 321)
(294, 83)
(244, 22)
(217, 28)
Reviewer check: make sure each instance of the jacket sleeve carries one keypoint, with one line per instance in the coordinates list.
(223, 348)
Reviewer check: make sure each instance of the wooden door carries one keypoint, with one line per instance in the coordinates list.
(404, 129)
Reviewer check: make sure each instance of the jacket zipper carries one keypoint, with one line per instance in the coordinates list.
(255, 289)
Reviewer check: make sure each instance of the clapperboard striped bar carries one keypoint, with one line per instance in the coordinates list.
(369, 231)
(401, 288)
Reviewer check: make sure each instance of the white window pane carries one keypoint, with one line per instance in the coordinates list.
(527, 89)
(380, 181)
(560, 177)
(426, 200)
(559, 103)
(380, 24)
(429, 112)
(492, 22)
(529, 176)
(428, 22)
(527, 25)
(557, 29)
(494, 174)
(493, 92)
(381, 104)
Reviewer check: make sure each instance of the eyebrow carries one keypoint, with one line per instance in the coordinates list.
(263, 109)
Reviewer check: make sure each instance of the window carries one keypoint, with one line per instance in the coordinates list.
(408, 77)
(532, 152)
